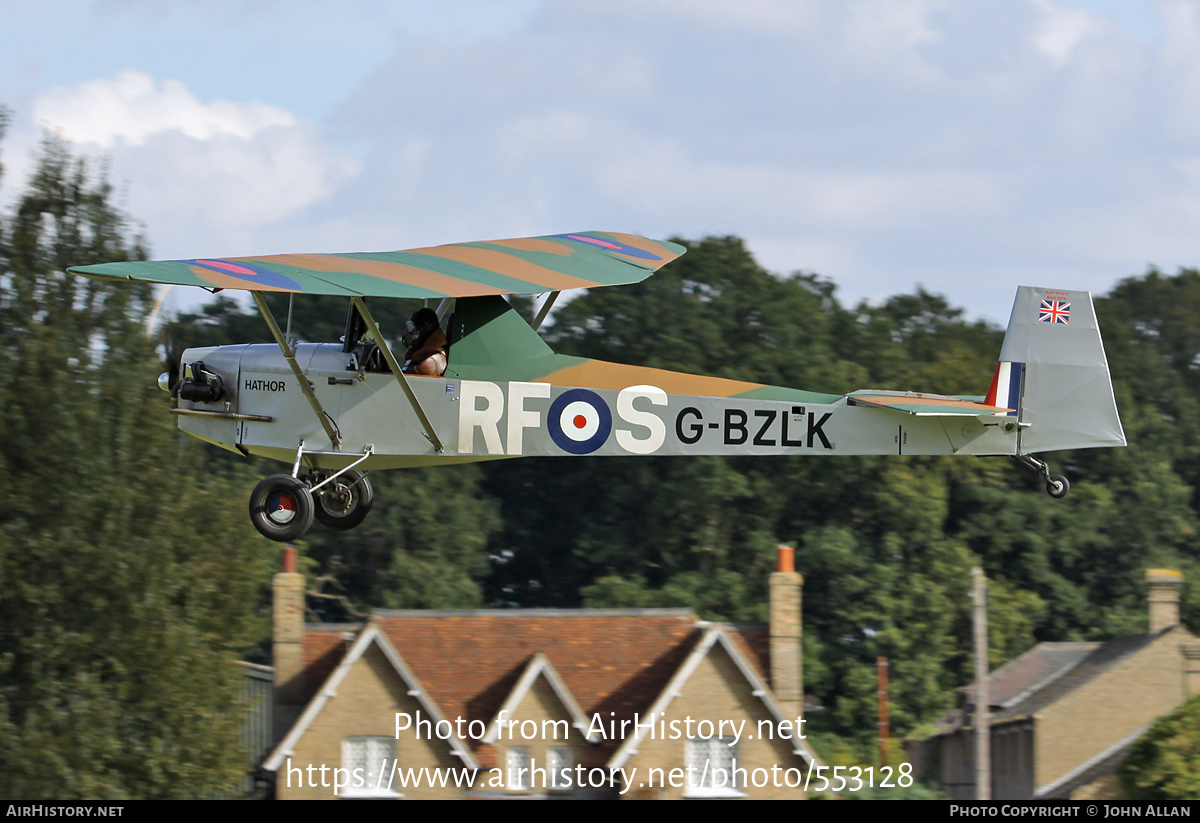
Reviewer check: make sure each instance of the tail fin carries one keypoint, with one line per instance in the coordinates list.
(1053, 372)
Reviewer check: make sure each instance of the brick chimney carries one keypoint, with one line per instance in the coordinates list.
(1164, 585)
(787, 668)
(287, 617)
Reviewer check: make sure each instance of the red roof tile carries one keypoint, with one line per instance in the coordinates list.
(468, 662)
(754, 640)
(322, 649)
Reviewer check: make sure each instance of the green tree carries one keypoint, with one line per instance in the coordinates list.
(127, 585)
(1164, 764)
(424, 545)
(314, 319)
(886, 544)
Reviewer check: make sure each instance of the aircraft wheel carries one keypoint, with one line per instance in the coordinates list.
(281, 508)
(1057, 486)
(343, 504)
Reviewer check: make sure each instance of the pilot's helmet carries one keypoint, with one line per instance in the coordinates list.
(422, 324)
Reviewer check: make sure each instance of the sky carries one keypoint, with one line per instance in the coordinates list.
(964, 146)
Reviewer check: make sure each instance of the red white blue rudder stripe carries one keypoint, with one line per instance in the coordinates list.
(1005, 390)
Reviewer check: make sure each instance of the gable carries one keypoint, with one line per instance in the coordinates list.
(540, 692)
(1124, 687)
(718, 683)
(362, 696)
(716, 706)
(612, 662)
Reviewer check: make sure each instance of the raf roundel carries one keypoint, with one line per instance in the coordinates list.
(249, 272)
(579, 421)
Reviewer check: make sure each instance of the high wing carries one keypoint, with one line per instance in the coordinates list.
(529, 265)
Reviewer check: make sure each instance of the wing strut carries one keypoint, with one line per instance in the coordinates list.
(326, 421)
(547, 304)
(361, 305)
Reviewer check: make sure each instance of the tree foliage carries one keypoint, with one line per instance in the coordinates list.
(886, 544)
(128, 580)
(1164, 764)
(126, 583)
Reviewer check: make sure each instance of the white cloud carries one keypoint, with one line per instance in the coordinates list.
(1178, 71)
(1061, 29)
(229, 183)
(880, 142)
(131, 107)
(779, 18)
(217, 170)
(664, 179)
(890, 32)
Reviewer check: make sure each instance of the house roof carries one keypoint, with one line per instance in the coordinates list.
(715, 635)
(471, 664)
(1045, 673)
(539, 667)
(323, 647)
(1088, 665)
(755, 642)
(1033, 670)
(369, 637)
(610, 660)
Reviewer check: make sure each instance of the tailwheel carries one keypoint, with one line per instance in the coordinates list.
(344, 501)
(1057, 486)
(281, 508)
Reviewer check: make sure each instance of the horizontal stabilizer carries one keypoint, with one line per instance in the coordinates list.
(924, 405)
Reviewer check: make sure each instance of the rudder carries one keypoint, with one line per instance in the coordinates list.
(1053, 371)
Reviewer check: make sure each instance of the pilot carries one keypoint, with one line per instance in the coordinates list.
(426, 345)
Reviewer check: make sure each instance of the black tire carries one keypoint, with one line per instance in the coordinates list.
(343, 503)
(1057, 486)
(281, 508)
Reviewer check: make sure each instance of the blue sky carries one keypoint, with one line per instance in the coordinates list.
(966, 145)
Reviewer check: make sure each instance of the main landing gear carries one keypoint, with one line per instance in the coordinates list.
(1056, 485)
(344, 502)
(283, 506)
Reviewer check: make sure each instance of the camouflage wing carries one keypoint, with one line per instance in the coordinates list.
(529, 265)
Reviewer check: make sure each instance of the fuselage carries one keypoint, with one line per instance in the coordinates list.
(555, 406)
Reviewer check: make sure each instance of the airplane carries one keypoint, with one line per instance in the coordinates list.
(337, 410)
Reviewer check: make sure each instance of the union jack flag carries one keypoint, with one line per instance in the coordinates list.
(1054, 311)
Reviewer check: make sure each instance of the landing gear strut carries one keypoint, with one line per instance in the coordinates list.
(1056, 485)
